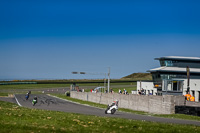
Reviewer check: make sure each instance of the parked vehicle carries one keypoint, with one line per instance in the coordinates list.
(98, 89)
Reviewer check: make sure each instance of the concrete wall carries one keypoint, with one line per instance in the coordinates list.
(152, 104)
(189, 103)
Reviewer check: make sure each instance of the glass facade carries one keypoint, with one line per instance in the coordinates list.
(167, 63)
(172, 85)
(168, 76)
(179, 63)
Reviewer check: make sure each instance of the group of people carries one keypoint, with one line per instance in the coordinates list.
(124, 92)
(189, 97)
(141, 92)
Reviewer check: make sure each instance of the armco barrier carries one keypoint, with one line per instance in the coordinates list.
(153, 104)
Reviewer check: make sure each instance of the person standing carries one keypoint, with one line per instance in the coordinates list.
(120, 92)
(192, 99)
(188, 96)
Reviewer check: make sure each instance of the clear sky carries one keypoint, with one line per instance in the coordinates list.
(50, 39)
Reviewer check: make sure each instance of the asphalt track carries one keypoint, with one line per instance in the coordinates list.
(47, 102)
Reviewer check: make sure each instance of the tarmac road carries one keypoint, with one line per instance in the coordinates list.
(47, 102)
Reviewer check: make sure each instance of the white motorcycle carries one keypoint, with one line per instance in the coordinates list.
(112, 108)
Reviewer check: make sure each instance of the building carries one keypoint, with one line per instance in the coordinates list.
(175, 76)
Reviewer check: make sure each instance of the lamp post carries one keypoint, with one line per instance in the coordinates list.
(188, 79)
(99, 74)
(108, 79)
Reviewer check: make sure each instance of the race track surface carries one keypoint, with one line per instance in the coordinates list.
(47, 102)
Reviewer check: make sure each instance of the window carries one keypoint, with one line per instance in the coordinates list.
(168, 63)
(171, 85)
(162, 62)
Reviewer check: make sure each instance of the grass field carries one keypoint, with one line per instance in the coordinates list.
(32, 86)
(17, 119)
(37, 86)
(131, 86)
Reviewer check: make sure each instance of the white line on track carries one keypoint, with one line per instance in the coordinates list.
(17, 101)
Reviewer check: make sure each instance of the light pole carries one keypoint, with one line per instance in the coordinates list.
(108, 79)
(99, 74)
(188, 79)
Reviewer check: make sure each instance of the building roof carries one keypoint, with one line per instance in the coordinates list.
(174, 69)
(179, 58)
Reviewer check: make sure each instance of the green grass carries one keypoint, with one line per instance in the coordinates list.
(15, 119)
(41, 86)
(178, 116)
(38, 86)
(32, 86)
(3, 94)
(129, 89)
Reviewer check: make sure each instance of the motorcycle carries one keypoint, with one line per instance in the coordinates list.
(34, 101)
(111, 109)
(27, 95)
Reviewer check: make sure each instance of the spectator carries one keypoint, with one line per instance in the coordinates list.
(142, 91)
(192, 98)
(120, 92)
(111, 90)
(106, 91)
(139, 92)
(188, 96)
(124, 92)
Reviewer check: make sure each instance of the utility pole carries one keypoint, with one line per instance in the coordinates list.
(98, 74)
(108, 79)
(188, 79)
(105, 82)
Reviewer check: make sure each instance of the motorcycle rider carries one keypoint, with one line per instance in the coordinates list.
(112, 107)
(34, 100)
(27, 95)
(113, 103)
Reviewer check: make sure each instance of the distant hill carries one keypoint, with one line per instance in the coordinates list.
(139, 76)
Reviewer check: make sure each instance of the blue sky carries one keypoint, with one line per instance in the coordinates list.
(50, 39)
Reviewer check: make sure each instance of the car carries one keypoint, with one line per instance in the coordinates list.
(99, 89)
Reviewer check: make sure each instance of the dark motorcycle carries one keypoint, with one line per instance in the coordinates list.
(27, 96)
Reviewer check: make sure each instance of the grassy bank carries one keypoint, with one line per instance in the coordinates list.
(31, 86)
(18, 119)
